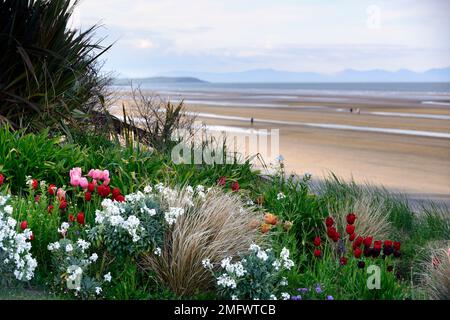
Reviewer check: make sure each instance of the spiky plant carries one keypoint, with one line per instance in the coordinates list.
(49, 73)
(434, 274)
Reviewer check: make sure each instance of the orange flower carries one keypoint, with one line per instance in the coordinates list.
(265, 227)
(270, 219)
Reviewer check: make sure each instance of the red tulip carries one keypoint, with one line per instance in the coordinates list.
(2, 179)
(377, 245)
(37, 198)
(336, 237)
(387, 243)
(31, 236)
(52, 189)
(331, 231)
(358, 252)
(350, 229)
(329, 221)
(50, 208)
(116, 192)
(103, 190)
(34, 184)
(71, 218)
(397, 245)
(343, 261)
(317, 241)
(222, 181)
(120, 198)
(352, 237)
(351, 218)
(88, 196)
(91, 187)
(368, 241)
(358, 241)
(235, 186)
(80, 218)
(317, 253)
(63, 205)
(24, 225)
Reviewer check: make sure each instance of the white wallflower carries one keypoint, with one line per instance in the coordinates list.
(98, 290)
(53, 246)
(226, 281)
(285, 296)
(84, 245)
(148, 189)
(172, 215)
(69, 248)
(93, 257)
(157, 252)
(8, 209)
(280, 196)
(262, 255)
(254, 247)
(107, 277)
(207, 264)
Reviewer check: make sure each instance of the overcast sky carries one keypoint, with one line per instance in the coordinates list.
(156, 36)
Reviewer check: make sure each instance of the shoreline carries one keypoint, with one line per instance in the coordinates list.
(401, 144)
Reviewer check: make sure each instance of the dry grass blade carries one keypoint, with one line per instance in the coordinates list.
(434, 274)
(214, 229)
(371, 220)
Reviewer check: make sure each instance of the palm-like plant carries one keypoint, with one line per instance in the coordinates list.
(49, 73)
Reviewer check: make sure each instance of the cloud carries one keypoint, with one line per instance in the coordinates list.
(290, 34)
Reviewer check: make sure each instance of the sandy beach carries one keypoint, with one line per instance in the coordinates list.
(400, 143)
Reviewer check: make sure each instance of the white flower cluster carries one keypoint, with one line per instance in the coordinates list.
(172, 215)
(226, 281)
(284, 255)
(112, 215)
(73, 261)
(260, 253)
(14, 247)
(233, 268)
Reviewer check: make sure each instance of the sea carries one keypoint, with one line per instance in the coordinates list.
(413, 90)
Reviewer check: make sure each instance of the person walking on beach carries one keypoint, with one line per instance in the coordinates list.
(251, 120)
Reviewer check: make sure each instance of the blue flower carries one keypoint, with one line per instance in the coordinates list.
(299, 297)
(330, 298)
(303, 290)
(318, 288)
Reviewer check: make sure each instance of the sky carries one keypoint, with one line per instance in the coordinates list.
(152, 37)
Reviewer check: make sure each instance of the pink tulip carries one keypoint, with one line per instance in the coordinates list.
(75, 181)
(91, 173)
(84, 182)
(105, 175)
(61, 194)
(75, 175)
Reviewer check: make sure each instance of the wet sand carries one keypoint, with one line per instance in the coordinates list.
(406, 161)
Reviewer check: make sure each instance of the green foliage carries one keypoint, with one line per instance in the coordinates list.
(49, 73)
(350, 282)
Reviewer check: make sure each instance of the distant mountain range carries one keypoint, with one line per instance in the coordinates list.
(137, 81)
(270, 75)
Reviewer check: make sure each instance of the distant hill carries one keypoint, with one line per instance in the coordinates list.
(162, 80)
(349, 75)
